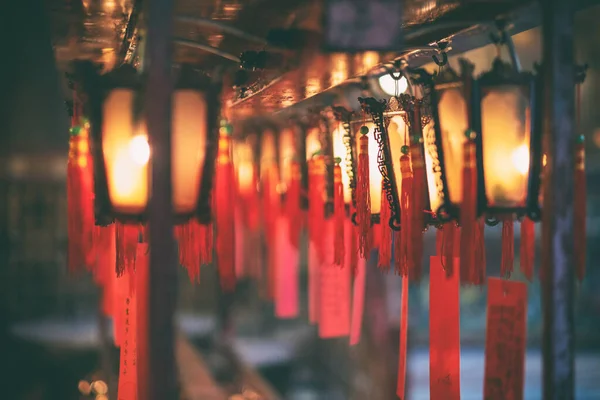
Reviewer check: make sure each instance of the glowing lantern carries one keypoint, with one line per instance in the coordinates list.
(123, 153)
(496, 113)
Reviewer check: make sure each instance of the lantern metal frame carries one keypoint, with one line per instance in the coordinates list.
(501, 74)
(98, 87)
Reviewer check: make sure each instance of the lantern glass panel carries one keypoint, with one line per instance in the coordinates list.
(287, 155)
(126, 154)
(339, 151)
(430, 151)
(398, 134)
(189, 129)
(505, 143)
(313, 144)
(244, 166)
(452, 109)
(374, 174)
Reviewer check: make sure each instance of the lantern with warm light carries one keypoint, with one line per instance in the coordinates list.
(496, 112)
(123, 153)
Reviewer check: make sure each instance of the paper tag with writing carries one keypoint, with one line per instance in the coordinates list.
(334, 315)
(358, 287)
(120, 292)
(313, 284)
(286, 290)
(141, 299)
(505, 340)
(444, 332)
(128, 355)
(401, 383)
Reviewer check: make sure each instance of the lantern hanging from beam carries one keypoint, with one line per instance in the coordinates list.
(123, 153)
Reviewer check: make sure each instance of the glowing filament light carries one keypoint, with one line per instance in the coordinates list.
(139, 149)
(520, 159)
(389, 85)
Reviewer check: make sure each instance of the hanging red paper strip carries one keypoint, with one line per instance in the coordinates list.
(80, 200)
(224, 219)
(288, 259)
(334, 298)
(357, 266)
(401, 383)
(106, 258)
(316, 202)
(448, 246)
(313, 284)
(478, 270)
(270, 209)
(121, 291)
(127, 389)
(385, 234)
(527, 249)
(505, 340)
(241, 269)
(579, 208)
(142, 311)
(363, 197)
(508, 252)
(444, 330)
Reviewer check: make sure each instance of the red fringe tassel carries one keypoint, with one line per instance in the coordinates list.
(508, 251)
(339, 217)
(418, 216)
(527, 251)
(579, 206)
(468, 214)
(402, 244)
(191, 241)
(80, 201)
(292, 203)
(363, 199)
(128, 236)
(316, 200)
(385, 239)
(224, 214)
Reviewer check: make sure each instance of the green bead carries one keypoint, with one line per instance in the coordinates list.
(580, 139)
(337, 160)
(364, 130)
(405, 149)
(229, 129)
(75, 130)
(470, 134)
(317, 153)
(417, 139)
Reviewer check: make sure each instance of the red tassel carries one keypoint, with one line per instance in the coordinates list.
(403, 252)
(385, 232)
(363, 199)
(468, 213)
(354, 246)
(224, 215)
(189, 237)
(508, 252)
(579, 205)
(339, 217)
(418, 207)
(316, 191)
(527, 250)
(80, 200)
(127, 241)
(292, 204)
(446, 241)
(206, 247)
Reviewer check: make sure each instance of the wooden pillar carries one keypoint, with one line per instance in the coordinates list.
(558, 278)
(159, 372)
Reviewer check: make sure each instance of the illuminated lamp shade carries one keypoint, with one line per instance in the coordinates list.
(498, 107)
(123, 189)
(341, 151)
(392, 85)
(504, 104)
(287, 157)
(374, 173)
(243, 159)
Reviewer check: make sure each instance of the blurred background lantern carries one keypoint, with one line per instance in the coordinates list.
(123, 153)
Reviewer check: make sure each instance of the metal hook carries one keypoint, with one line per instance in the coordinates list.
(442, 48)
